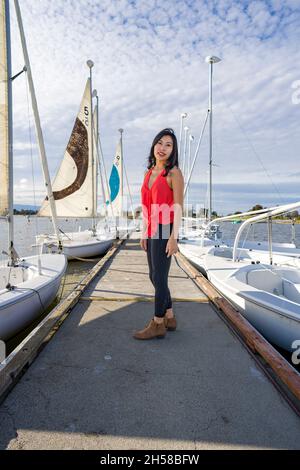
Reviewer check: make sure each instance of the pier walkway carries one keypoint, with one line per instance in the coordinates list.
(95, 387)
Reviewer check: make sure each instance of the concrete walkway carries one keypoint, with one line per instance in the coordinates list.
(95, 387)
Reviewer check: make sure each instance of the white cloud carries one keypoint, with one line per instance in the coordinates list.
(149, 68)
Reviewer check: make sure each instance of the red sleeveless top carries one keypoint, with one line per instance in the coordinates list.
(157, 203)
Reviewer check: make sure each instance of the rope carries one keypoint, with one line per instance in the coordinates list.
(140, 299)
(252, 147)
(31, 154)
(9, 273)
(90, 260)
(9, 288)
(62, 287)
(61, 231)
(132, 210)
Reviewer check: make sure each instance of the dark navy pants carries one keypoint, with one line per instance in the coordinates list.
(159, 266)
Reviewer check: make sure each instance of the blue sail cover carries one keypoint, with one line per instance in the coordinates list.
(114, 184)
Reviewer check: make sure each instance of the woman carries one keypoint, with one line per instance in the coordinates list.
(162, 200)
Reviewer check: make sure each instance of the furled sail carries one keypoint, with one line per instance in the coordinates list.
(4, 138)
(74, 184)
(116, 184)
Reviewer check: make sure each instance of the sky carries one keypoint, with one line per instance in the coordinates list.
(149, 69)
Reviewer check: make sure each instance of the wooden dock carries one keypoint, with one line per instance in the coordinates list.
(90, 385)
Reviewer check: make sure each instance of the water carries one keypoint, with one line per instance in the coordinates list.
(281, 232)
(27, 227)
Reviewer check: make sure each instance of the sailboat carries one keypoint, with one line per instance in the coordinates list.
(114, 196)
(75, 188)
(264, 285)
(195, 244)
(27, 285)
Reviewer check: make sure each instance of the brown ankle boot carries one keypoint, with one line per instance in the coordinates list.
(170, 323)
(152, 330)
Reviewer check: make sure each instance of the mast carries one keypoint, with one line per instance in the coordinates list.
(183, 116)
(96, 135)
(38, 128)
(128, 187)
(90, 64)
(191, 139)
(121, 186)
(7, 134)
(210, 60)
(186, 130)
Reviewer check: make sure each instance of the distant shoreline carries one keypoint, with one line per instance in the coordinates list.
(27, 213)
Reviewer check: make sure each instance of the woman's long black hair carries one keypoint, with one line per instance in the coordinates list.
(173, 158)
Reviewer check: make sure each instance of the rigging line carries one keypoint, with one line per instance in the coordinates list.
(251, 146)
(31, 153)
(132, 210)
(10, 287)
(62, 287)
(64, 233)
(101, 162)
(9, 274)
(196, 153)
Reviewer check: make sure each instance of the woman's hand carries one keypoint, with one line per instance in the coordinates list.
(171, 247)
(143, 243)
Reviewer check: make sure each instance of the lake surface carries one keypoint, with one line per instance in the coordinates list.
(27, 227)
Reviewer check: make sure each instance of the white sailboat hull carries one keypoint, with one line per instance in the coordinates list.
(268, 296)
(196, 253)
(283, 253)
(32, 291)
(77, 244)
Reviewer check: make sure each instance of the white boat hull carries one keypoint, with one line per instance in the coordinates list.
(275, 316)
(196, 253)
(78, 244)
(27, 300)
(283, 253)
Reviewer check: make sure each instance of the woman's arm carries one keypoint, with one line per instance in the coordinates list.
(178, 187)
(144, 233)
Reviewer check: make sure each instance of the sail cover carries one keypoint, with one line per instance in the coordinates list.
(74, 184)
(116, 184)
(4, 155)
(102, 200)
